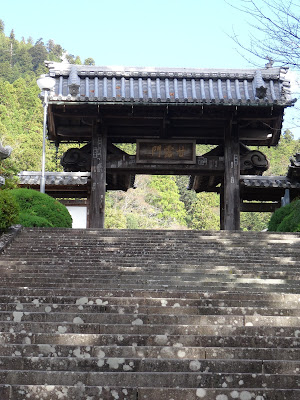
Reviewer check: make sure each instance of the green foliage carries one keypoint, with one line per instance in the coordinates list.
(114, 218)
(41, 205)
(33, 221)
(254, 221)
(279, 216)
(286, 219)
(164, 195)
(279, 156)
(89, 61)
(188, 197)
(205, 212)
(9, 210)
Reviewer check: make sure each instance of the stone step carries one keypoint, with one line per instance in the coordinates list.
(208, 330)
(103, 364)
(144, 352)
(150, 314)
(167, 256)
(209, 300)
(145, 293)
(260, 286)
(141, 319)
(84, 362)
(58, 392)
(136, 282)
(151, 379)
(76, 272)
(99, 339)
(163, 308)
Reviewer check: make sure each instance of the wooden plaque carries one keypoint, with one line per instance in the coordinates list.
(166, 151)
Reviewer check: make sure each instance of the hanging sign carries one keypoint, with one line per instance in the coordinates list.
(166, 151)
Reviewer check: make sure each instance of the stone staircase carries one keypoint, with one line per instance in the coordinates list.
(150, 315)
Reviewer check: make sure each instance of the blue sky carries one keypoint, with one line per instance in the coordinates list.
(160, 33)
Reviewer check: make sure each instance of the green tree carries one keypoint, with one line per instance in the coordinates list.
(188, 197)
(38, 53)
(89, 61)
(205, 212)
(165, 197)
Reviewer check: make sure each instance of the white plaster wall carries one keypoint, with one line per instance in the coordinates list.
(79, 216)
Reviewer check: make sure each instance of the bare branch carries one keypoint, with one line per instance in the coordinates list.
(275, 27)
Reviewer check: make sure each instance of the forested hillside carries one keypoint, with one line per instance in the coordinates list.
(157, 202)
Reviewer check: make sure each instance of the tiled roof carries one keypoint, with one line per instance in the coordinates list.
(165, 85)
(268, 182)
(54, 178)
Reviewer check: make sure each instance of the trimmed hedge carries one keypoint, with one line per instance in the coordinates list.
(32, 221)
(9, 210)
(286, 219)
(39, 209)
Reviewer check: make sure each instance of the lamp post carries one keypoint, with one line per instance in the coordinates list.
(45, 83)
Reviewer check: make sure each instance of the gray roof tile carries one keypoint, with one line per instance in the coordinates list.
(269, 181)
(166, 85)
(54, 178)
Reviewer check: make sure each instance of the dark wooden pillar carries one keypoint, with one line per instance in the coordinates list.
(232, 178)
(222, 206)
(98, 177)
(88, 210)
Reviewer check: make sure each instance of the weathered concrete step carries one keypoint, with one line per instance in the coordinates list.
(198, 293)
(84, 362)
(93, 328)
(140, 319)
(153, 279)
(59, 392)
(229, 272)
(163, 352)
(164, 309)
(217, 394)
(80, 392)
(149, 319)
(94, 252)
(164, 234)
(63, 337)
(176, 309)
(147, 247)
(151, 379)
(17, 302)
(258, 287)
(166, 258)
(126, 277)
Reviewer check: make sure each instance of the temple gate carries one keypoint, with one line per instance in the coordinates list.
(166, 112)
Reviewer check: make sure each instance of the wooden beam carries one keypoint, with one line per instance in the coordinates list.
(232, 178)
(98, 177)
(210, 165)
(259, 207)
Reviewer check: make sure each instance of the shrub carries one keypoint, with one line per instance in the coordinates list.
(278, 217)
(286, 219)
(36, 204)
(9, 210)
(32, 221)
